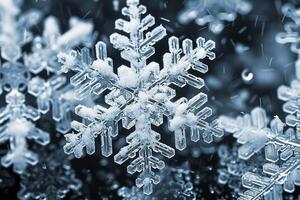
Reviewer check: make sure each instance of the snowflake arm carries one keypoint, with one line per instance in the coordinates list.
(86, 134)
(144, 143)
(291, 106)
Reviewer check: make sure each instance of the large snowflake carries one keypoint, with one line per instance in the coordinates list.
(140, 95)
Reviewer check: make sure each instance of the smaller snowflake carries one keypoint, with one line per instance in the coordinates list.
(213, 12)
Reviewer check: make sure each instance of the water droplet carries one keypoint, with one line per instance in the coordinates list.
(247, 76)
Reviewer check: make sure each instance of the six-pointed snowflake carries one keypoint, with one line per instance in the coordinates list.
(140, 95)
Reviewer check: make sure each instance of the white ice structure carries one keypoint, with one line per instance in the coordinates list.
(140, 95)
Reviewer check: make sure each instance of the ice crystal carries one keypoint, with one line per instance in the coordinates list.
(52, 178)
(250, 130)
(291, 96)
(213, 12)
(281, 149)
(139, 95)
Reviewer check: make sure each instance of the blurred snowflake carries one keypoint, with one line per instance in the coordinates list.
(18, 119)
(213, 12)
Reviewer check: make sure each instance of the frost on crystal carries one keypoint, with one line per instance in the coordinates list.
(281, 148)
(213, 12)
(251, 131)
(139, 95)
(52, 178)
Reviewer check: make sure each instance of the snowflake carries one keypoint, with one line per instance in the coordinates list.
(213, 12)
(16, 118)
(56, 91)
(139, 95)
(52, 178)
(281, 148)
(17, 125)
